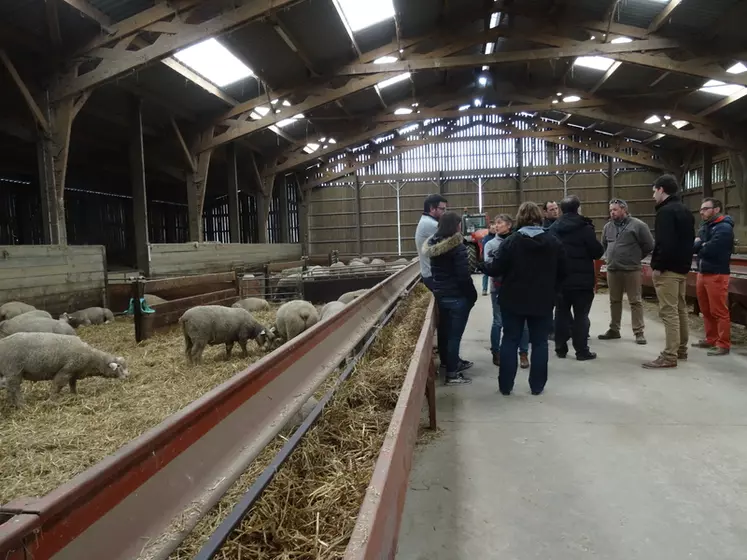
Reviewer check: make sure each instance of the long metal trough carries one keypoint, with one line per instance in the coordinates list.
(143, 500)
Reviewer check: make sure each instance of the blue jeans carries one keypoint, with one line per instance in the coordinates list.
(495, 330)
(539, 329)
(485, 282)
(441, 326)
(453, 314)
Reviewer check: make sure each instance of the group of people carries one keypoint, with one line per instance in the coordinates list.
(541, 270)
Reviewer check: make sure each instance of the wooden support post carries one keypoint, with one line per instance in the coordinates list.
(359, 218)
(708, 171)
(283, 211)
(519, 171)
(196, 185)
(138, 292)
(610, 179)
(233, 194)
(139, 191)
(738, 162)
(50, 210)
(245, 221)
(263, 213)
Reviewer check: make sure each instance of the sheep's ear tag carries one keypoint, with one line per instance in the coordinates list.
(263, 332)
(113, 365)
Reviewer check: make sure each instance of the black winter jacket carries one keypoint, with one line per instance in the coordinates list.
(450, 274)
(582, 248)
(531, 265)
(674, 237)
(715, 246)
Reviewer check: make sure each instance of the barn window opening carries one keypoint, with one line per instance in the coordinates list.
(214, 62)
(359, 14)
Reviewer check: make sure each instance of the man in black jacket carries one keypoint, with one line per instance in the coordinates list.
(582, 248)
(674, 235)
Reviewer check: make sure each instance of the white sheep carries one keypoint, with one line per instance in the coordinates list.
(37, 313)
(292, 319)
(399, 261)
(252, 304)
(331, 308)
(52, 357)
(30, 323)
(288, 286)
(14, 309)
(356, 264)
(214, 324)
(365, 260)
(350, 296)
(88, 316)
(378, 264)
(292, 270)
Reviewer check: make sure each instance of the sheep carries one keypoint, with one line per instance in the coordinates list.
(42, 356)
(37, 313)
(365, 260)
(13, 309)
(303, 413)
(26, 323)
(331, 308)
(321, 271)
(152, 299)
(350, 296)
(288, 285)
(378, 264)
(358, 264)
(292, 319)
(291, 271)
(399, 261)
(88, 316)
(214, 324)
(252, 304)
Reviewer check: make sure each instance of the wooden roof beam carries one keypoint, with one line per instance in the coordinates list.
(179, 35)
(90, 11)
(662, 16)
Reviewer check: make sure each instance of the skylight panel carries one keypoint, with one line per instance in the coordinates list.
(571, 99)
(601, 63)
(291, 120)
(311, 147)
(393, 80)
(489, 48)
(403, 111)
(214, 62)
(386, 59)
(361, 14)
(738, 68)
(653, 119)
(720, 88)
(494, 19)
(618, 40)
(679, 124)
(464, 107)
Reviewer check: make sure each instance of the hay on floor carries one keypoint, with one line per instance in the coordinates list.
(310, 508)
(45, 443)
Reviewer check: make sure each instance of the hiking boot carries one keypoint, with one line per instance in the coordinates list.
(561, 351)
(640, 339)
(464, 365)
(702, 344)
(485, 293)
(523, 360)
(586, 356)
(535, 393)
(660, 363)
(496, 358)
(457, 379)
(681, 355)
(718, 351)
(609, 335)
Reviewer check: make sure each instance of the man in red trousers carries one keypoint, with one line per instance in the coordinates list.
(713, 247)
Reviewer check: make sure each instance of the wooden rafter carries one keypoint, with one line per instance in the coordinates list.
(91, 11)
(663, 15)
(180, 35)
(53, 22)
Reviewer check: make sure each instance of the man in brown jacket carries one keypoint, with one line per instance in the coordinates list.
(626, 241)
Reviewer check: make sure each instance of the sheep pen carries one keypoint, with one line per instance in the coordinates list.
(310, 508)
(46, 443)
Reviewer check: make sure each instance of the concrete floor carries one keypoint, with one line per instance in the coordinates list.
(611, 462)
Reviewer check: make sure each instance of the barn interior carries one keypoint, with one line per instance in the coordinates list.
(324, 122)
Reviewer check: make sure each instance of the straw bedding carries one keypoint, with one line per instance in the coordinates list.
(44, 444)
(310, 508)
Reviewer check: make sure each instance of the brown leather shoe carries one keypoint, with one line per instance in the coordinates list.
(660, 363)
(702, 344)
(718, 351)
(682, 355)
(523, 360)
(496, 359)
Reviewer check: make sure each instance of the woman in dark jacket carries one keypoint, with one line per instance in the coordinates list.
(527, 296)
(453, 288)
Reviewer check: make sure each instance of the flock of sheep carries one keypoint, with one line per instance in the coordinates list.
(36, 347)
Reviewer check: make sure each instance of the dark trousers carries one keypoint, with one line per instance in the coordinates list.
(441, 326)
(453, 316)
(513, 329)
(572, 320)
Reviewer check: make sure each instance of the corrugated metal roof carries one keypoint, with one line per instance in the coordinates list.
(121, 9)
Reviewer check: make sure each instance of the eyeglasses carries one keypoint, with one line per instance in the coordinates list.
(707, 208)
(441, 208)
